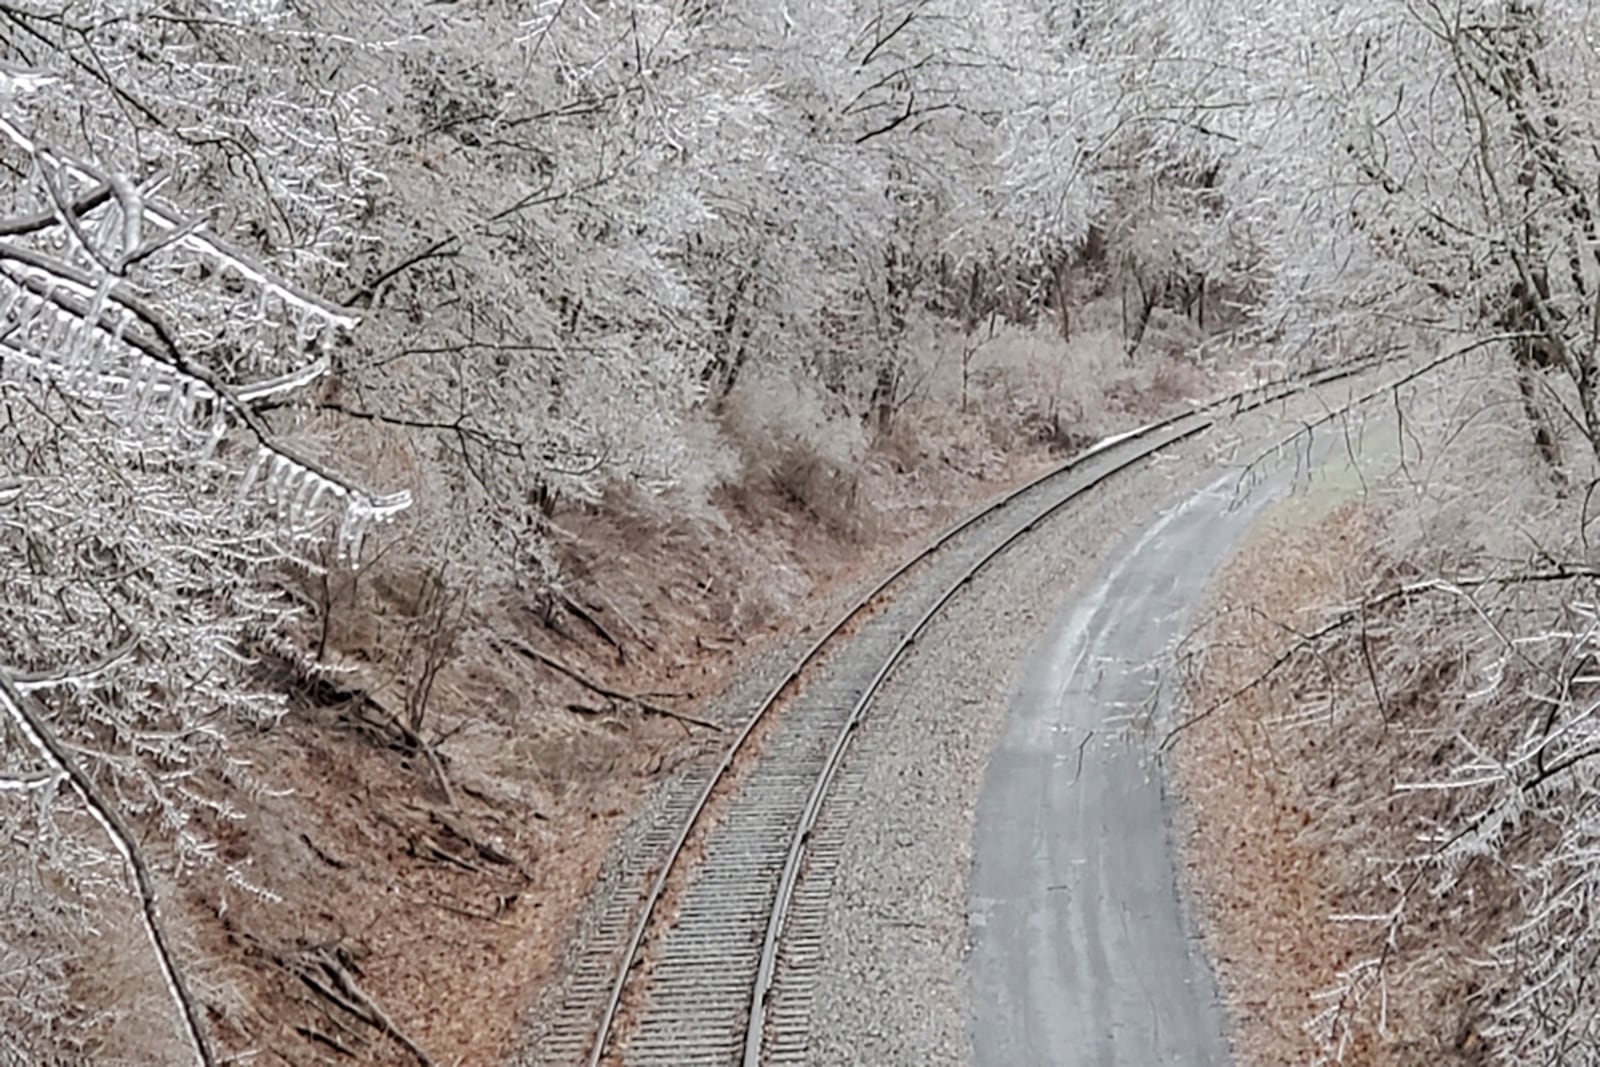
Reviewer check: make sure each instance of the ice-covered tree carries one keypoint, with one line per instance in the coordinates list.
(1423, 172)
(145, 502)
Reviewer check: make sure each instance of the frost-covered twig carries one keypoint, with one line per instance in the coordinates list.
(1311, 639)
(27, 718)
(27, 681)
(1309, 428)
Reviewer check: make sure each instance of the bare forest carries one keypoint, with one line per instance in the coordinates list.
(408, 411)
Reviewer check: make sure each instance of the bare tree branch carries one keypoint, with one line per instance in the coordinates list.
(28, 718)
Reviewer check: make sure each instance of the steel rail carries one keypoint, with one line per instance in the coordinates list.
(767, 967)
(1209, 415)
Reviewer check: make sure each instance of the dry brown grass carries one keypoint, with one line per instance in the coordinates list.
(1291, 824)
(660, 594)
(1264, 887)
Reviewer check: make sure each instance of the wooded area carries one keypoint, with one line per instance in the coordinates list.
(334, 332)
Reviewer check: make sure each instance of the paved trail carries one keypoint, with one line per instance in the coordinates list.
(1081, 949)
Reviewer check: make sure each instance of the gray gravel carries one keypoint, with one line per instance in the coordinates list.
(892, 987)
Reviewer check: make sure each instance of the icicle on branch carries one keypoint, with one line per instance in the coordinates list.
(77, 328)
(139, 209)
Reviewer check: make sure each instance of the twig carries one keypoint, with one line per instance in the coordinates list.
(1081, 746)
(367, 294)
(29, 680)
(324, 856)
(1333, 414)
(1561, 573)
(46, 219)
(607, 692)
(456, 909)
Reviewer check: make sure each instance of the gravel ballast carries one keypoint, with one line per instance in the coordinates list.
(891, 987)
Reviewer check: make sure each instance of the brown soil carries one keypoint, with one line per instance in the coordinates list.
(448, 913)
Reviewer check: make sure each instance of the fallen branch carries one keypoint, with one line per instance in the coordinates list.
(346, 994)
(594, 624)
(319, 1038)
(606, 691)
(411, 738)
(597, 594)
(323, 855)
(484, 850)
(423, 846)
(433, 761)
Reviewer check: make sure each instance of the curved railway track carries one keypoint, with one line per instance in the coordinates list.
(715, 960)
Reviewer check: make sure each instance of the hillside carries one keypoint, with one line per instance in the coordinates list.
(410, 411)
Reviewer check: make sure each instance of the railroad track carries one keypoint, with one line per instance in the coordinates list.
(716, 958)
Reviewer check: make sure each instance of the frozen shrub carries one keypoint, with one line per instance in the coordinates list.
(791, 446)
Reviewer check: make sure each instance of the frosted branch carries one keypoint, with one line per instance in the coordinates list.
(31, 724)
(30, 784)
(288, 383)
(116, 316)
(28, 682)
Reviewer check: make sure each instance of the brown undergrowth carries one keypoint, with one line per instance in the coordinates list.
(425, 823)
(1294, 837)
